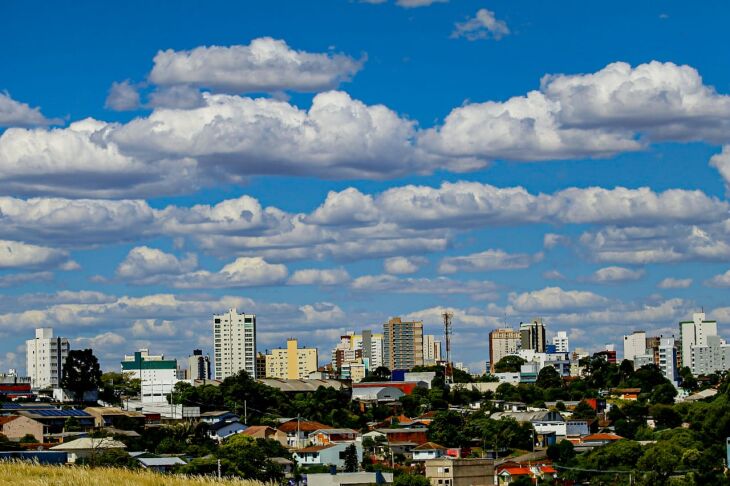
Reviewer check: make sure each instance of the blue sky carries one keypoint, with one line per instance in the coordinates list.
(330, 164)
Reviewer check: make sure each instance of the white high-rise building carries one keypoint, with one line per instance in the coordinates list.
(45, 357)
(234, 342)
(560, 341)
(694, 333)
(634, 345)
(668, 359)
(713, 358)
(431, 350)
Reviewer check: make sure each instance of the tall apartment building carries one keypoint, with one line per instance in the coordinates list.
(291, 362)
(668, 359)
(502, 342)
(694, 333)
(402, 344)
(234, 341)
(431, 350)
(198, 366)
(634, 345)
(157, 375)
(532, 335)
(260, 365)
(45, 357)
(365, 349)
(712, 358)
(561, 343)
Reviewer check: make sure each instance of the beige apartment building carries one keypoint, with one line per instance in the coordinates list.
(502, 342)
(460, 472)
(402, 344)
(291, 362)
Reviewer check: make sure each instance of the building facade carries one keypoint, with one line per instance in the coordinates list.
(45, 357)
(668, 359)
(431, 350)
(502, 342)
(234, 341)
(291, 362)
(402, 344)
(561, 342)
(157, 375)
(694, 333)
(634, 345)
(712, 358)
(532, 335)
(198, 366)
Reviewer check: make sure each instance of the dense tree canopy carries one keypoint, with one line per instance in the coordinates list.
(81, 373)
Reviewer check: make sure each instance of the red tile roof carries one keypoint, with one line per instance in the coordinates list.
(601, 436)
(517, 471)
(315, 448)
(303, 425)
(5, 420)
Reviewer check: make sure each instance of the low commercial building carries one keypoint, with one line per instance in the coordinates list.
(349, 479)
(460, 472)
(116, 417)
(376, 394)
(160, 464)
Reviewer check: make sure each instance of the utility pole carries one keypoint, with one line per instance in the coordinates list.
(448, 371)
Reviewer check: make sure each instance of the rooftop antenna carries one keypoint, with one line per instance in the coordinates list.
(448, 370)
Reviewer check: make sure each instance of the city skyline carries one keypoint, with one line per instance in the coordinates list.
(328, 179)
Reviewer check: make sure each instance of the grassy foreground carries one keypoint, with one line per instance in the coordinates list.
(34, 474)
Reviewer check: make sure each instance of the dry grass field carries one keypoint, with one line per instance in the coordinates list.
(33, 474)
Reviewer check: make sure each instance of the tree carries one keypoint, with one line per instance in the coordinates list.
(381, 373)
(447, 429)
(689, 382)
(583, 411)
(71, 424)
(351, 458)
(81, 373)
(509, 364)
(28, 439)
(664, 393)
(665, 416)
(562, 452)
(549, 378)
(411, 480)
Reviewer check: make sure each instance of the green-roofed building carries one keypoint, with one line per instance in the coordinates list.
(156, 374)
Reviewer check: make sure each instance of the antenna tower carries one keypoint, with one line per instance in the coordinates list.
(448, 370)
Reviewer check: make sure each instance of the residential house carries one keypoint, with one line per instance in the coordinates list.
(416, 436)
(15, 427)
(427, 451)
(511, 471)
(216, 416)
(265, 432)
(460, 472)
(224, 429)
(81, 449)
(297, 431)
(328, 436)
(160, 464)
(326, 455)
(600, 439)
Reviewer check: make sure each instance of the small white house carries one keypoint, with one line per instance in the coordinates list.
(429, 450)
(326, 455)
(222, 430)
